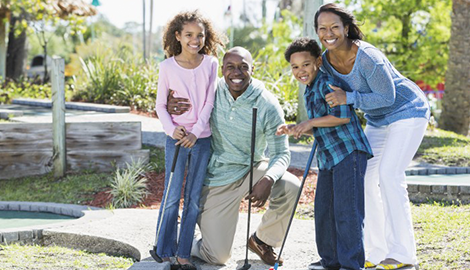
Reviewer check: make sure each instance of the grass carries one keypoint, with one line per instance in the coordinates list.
(446, 148)
(74, 188)
(442, 235)
(17, 256)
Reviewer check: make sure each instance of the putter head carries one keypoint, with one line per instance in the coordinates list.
(276, 265)
(246, 266)
(153, 253)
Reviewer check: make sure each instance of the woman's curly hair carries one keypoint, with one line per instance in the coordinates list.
(172, 46)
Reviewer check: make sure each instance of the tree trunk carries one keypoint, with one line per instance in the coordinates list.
(16, 53)
(456, 101)
(3, 49)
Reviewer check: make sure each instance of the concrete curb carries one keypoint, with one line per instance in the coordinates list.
(90, 243)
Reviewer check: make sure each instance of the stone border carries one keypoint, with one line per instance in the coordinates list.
(438, 170)
(449, 193)
(34, 233)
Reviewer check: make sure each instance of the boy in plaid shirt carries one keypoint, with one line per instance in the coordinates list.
(342, 156)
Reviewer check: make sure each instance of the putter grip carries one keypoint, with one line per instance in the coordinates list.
(175, 157)
(253, 142)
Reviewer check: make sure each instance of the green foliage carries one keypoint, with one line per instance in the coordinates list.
(251, 37)
(113, 75)
(413, 34)
(103, 75)
(139, 86)
(25, 88)
(445, 147)
(274, 70)
(129, 185)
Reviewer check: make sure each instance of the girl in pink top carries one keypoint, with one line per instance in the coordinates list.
(190, 43)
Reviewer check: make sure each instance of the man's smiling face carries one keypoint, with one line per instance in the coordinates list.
(237, 69)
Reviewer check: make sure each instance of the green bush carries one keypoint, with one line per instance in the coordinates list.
(129, 185)
(138, 87)
(23, 88)
(103, 76)
(115, 76)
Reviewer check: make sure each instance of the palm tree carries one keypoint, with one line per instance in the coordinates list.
(456, 101)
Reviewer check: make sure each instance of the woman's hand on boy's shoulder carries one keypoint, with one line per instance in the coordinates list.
(336, 98)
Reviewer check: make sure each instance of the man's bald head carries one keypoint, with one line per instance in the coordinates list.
(240, 51)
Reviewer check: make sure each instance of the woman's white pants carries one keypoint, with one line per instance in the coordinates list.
(388, 231)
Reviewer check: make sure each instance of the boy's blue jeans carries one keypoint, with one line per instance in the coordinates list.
(196, 158)
(339, 213)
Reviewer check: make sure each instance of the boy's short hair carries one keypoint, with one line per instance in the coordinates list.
(303, 45)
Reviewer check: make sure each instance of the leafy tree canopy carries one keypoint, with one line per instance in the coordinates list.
(414, 34)
(45, 11)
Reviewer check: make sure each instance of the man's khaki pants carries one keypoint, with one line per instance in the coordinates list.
(219, 214)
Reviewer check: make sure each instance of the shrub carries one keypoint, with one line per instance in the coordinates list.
(116, 76)
(129, 185)
(23, 88)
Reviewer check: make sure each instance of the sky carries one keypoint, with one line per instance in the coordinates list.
(118, 12)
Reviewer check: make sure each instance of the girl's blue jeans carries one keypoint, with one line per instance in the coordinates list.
(339, 213)
(171, 244)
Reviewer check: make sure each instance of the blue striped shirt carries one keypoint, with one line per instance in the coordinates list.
(334, 143)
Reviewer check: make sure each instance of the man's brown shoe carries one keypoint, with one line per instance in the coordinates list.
(265, 252)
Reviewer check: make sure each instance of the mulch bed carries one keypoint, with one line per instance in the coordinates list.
(156, 185)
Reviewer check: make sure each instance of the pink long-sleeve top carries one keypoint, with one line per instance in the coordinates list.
(198, 85)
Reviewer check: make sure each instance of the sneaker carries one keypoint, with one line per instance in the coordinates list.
(319, 266)
(265, 252)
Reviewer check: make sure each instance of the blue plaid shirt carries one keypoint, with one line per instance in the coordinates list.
(334, 143)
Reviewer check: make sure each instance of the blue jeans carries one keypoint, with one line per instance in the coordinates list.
(196, 158)
(339, 213)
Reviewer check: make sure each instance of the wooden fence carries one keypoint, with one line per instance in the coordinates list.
(26, 148)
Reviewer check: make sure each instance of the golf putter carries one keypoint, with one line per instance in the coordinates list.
(309, 163)
(153, 252)
(246, 265)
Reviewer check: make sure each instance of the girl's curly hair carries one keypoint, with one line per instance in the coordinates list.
(172, 46)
